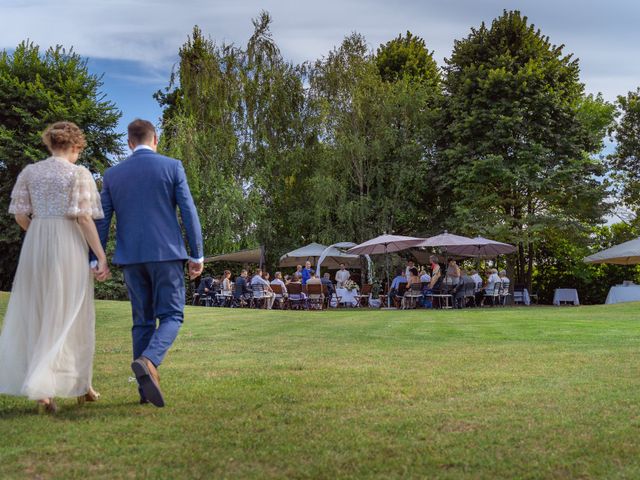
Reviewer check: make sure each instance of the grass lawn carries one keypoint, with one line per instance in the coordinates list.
(493, 393)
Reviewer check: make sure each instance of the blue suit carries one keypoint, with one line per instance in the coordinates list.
(143, 192)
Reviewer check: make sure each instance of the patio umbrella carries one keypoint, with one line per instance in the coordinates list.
(385, 244)
(313, 252)
(482, 248)
(446, 240)
(627, 253)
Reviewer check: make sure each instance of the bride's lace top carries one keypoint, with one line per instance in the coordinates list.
(55, 188)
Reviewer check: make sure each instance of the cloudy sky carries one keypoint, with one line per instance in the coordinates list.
(135, 43)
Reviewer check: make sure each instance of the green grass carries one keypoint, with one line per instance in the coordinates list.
(492, 393)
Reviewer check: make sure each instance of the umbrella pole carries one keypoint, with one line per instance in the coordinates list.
(386, 257)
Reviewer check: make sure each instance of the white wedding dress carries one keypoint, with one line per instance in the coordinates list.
(48, 340)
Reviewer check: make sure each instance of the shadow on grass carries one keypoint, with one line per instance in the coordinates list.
(72, 411)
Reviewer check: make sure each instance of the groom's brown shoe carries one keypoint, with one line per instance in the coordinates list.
(149, 380)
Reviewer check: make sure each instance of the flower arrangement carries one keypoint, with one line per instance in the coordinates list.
(351, 285)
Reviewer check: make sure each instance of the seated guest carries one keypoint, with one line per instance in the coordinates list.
(306, 272)
(313, 280)
(424, 276)
(278, 281)
(267, 292)
(492, 279)
(326, 280)
(226, 283)
(242, 291)
(287, 279)
(477, 279)
(503, 277)
(266, 276)
(413, 279)
(342, 276)
(297, 278)
(458, 291)
(206, 285)
(395, 283)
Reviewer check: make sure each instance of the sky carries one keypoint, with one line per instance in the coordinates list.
(134, 44)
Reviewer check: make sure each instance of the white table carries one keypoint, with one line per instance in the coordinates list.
(568, 295)
(522, 297)
(347, 297)
(623, 293)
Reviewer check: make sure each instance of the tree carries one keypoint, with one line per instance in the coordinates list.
(517, 157)
(625, 161)
(407, 57)
(35, 90)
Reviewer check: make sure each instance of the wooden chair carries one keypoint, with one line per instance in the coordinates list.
(315, 297)
(259, 299)
(296, 296)
(281, 299)
(411, 296)
(364, 295)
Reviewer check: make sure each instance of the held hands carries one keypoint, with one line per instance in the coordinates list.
(195, 269)
(101, 271)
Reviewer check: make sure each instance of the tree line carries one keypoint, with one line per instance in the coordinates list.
(502, 141)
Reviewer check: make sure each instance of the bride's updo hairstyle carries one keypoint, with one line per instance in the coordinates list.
(63, 136)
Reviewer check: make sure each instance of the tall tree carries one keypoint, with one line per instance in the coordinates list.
(625, 161)
(407, 57)
(37, 89)
(519, 137)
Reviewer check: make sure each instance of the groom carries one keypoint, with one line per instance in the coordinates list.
(143, 191)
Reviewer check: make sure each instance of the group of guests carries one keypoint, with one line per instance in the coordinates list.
(260, 284)
(452, 282)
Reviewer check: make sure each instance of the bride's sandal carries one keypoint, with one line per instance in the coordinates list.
(47, 406)
(90, 396)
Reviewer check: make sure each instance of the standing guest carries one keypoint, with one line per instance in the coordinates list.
(306, 272)
(298, 270)
(435, 272)
(267, 290)
(278, 281)
(407, 270)
(48, 339)
(424, 276)
(226, 283)
(342, 276)
(453, 273)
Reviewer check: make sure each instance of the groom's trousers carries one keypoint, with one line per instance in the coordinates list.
(157, 293)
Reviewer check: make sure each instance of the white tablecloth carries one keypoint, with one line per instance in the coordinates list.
(569, 295)
(621, 293)
(522, 297)
(348, 297)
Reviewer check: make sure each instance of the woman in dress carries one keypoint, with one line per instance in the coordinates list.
(48, 341)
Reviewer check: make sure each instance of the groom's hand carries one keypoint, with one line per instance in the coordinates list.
(195, 269)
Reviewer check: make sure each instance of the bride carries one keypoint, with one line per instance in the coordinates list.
(48, 341)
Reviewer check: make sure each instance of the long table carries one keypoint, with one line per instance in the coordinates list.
(623, 293)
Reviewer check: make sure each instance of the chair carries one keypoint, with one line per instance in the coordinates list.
(259, 299)
(518, 293)
(442, 294)
(411, 296)
(280, 300)
(469, 296)
(504, 293)
(397, 298)
(296, 296)
(364, 295)
(315, 297)
(493, 293)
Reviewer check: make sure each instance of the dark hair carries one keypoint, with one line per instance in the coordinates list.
(399, 271)
(414, 271)
(140, 131)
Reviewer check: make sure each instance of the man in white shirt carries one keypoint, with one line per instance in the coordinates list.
(424, 276)
(278, 281)
(477, 279)
(267, 293)
(342, 276)
(407, 271)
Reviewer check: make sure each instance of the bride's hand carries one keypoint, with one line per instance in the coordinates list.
(102, 271)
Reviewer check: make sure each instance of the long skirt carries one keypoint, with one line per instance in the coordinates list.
(48, 334)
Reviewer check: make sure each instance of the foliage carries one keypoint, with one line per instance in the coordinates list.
(518, 140)
(37, 89)
(625, 161)
(407, 58)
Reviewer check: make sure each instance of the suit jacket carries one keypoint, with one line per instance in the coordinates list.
(143, 191)
(241, 287)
